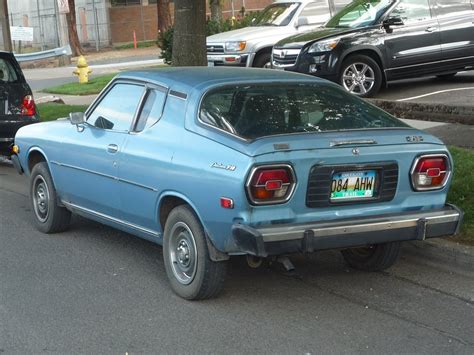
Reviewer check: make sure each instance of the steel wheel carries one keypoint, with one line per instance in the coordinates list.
(183, 253)
(41, 198)
(358, 78)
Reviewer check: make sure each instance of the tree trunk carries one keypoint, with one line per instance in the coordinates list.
(72, 31)
(164, 15)
(189, 40)
(216, 10)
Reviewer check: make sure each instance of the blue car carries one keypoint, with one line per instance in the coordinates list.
(212, 163)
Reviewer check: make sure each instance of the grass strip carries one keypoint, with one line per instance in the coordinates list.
(52, 111)
(94, 86)
(461, 192)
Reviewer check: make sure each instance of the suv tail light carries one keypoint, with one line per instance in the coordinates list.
(271, 184)
(28, 107)
(430, 172)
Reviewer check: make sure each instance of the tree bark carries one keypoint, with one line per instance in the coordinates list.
(164, 15)
(216, 10)
(72, 29)
(189, 40)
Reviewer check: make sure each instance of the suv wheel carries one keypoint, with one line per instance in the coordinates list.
(361, 75)
(373, 258)
(192, 274)
(263, 60)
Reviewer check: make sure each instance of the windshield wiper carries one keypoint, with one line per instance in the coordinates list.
(267, 24)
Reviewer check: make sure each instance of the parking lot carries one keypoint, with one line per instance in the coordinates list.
(95, 289)
(458, 90)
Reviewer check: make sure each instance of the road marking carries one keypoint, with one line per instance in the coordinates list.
(435, 93)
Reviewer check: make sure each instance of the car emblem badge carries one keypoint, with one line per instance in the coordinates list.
(282, 54)
(355, 151)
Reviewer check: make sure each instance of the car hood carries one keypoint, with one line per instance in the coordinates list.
(248, 33)
(299, 40)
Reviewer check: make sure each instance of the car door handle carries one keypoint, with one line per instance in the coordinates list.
(431, 29)
(112, 148)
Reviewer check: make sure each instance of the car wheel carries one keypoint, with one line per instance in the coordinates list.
(49, 216)
(446, 76)
(192, 274)
(361, 75)
(373, 258)
(263, 60)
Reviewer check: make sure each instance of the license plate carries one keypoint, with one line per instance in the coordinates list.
(353, 185)
(210, 64)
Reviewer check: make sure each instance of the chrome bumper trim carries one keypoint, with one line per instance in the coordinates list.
(327, 229)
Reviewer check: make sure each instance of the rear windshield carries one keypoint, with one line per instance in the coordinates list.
(7, 71)
(254, 111)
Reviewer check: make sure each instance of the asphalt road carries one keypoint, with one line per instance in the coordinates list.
(94, 289)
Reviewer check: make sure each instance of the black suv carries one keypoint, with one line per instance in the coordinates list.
(17, 107)
(370, 42)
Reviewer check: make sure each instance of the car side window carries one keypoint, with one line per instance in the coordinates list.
(152, 110)
(117, 109)
(316, 12)
(412, 11)
(452, 8)
(7, 72)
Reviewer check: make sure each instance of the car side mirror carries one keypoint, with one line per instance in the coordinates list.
(77, 118)
(302, 21)
(393, 21)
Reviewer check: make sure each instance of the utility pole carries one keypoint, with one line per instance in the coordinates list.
(7, 39)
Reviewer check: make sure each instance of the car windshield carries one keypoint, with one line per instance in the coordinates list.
(254, 111)
(360, 13)
(276, 15)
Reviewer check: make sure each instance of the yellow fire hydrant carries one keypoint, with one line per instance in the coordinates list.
(82, 70)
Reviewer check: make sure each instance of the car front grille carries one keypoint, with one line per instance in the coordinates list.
(320, 179)
(285, 57)
(215, 49)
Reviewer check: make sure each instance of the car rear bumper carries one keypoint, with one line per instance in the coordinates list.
(308, 237)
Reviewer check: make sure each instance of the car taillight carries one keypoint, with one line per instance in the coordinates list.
(430, 172)
(28, 107)
(271, 184)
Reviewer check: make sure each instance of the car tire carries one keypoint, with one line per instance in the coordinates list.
(361, 76)
(263, 60)
(49, 216)
(191, 272)
(374, 258)
(446, 76)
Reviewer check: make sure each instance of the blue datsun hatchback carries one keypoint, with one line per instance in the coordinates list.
(218, 162)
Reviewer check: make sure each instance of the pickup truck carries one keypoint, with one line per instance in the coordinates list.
(252, 46)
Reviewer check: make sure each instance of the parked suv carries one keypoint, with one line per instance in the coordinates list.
(17, 107)
(252, 46)
(371, 42)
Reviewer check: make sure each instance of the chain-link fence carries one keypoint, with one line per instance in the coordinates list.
(50, 26)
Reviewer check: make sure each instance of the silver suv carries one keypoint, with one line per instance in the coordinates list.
(252, 46)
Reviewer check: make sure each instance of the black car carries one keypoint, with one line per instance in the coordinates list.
(17, 107)
(371, 42)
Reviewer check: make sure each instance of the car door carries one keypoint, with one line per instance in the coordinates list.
(89, 162)
(143, 163)
(415, 46)
(456, 28)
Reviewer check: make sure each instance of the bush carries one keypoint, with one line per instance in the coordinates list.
(165, 42)
(165, 39)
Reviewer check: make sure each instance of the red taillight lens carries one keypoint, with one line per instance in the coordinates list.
(430, 172)
(28, 106)
(272, 184)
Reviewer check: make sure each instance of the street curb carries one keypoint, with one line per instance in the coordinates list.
(442, 252)
(427, 112)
